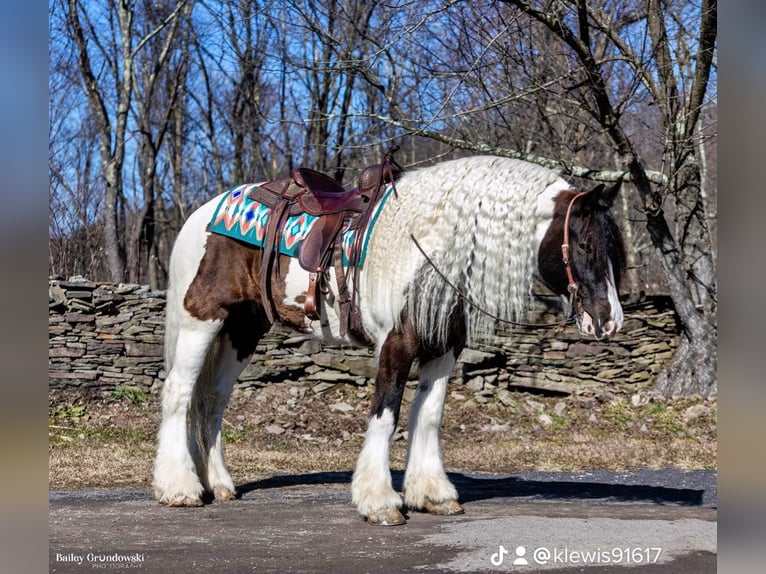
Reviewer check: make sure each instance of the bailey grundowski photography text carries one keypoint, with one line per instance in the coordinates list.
(96, 560)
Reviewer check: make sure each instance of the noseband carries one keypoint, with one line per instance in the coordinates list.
(572, 286)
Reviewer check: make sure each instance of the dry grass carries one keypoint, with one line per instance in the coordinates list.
(110, 441)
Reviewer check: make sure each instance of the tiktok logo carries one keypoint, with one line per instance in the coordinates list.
(498, 557)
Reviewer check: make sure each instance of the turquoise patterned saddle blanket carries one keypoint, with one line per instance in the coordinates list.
(240, 217)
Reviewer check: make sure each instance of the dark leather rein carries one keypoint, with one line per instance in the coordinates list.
(571, 286)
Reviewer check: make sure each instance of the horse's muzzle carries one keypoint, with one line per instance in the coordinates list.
(599, 329)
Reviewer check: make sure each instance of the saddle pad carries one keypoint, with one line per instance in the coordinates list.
(239, 217)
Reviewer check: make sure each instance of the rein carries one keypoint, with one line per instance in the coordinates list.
(571, 287)
(479, 308)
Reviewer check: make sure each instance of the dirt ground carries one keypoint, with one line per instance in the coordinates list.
(108, 438)
(660, 522)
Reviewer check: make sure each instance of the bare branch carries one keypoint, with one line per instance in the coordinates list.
(171, 17)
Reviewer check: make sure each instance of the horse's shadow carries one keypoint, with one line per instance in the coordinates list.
(471, 489)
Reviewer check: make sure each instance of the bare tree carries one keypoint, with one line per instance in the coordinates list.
(247, 31)
(680, 92)
(109, 106)
(107, 45)
(159, 75)
(330, 47)
(73, 238)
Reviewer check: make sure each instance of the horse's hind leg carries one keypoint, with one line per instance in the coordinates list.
(176, 482)
(243, 327)
(229, 363)
(426, 486)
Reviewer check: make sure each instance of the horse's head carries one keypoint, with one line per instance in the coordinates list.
(596, 256)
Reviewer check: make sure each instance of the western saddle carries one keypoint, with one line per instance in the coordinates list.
(314, 193)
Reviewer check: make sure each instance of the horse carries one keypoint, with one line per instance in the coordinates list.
(456, 246)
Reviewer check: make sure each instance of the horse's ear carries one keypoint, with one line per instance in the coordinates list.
(605, 195)
(592, 199)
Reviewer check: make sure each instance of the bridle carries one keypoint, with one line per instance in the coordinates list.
(571, 287)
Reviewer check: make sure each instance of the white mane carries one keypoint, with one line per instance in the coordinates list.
(479, 221)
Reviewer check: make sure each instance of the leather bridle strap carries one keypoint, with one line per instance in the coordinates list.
(572, 285)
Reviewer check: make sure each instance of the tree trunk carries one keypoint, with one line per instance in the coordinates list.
(111, 133)
(114, 256)
(687, 370)
(693, 368)
(688, 253)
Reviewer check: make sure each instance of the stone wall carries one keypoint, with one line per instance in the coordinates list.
(104, 336)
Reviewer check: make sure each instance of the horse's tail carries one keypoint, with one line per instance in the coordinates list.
(202, 409)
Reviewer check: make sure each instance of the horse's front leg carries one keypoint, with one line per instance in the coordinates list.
(371, 488)
(426, 486)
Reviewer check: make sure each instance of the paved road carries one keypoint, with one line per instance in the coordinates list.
(658, 521)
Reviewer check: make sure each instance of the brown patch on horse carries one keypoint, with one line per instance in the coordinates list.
(401, 347)
(223, 279)
(397, 353)
(226, 288)
(245, 324)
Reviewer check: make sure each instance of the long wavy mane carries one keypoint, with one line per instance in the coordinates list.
(478, 219)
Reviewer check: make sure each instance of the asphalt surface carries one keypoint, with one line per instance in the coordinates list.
(653, 521)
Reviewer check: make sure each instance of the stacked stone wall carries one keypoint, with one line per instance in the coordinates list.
(104, 336)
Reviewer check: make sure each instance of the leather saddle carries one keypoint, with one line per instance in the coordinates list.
(309, 191)
(314, 193)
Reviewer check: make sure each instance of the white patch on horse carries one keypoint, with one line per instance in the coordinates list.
(587, 325)
(210, 416)
(371, 489)
(545, 205)
(616, 316)
(425, 479)
(327, 328)
(178, 460)
(329, 314)
(189, 247)
(296, 284)
(185, 258)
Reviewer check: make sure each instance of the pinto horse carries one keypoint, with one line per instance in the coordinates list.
(488, 225)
